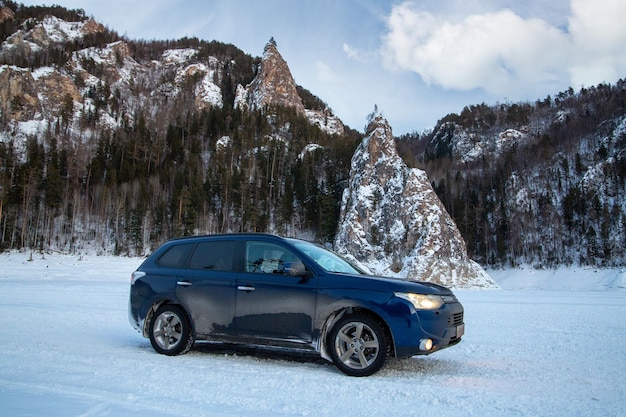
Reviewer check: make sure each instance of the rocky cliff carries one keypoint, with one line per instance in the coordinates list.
(392, 220)
(540, 184)
(274, 85)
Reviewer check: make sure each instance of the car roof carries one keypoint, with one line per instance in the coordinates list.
(237, 236)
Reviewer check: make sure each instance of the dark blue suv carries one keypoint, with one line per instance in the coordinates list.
(267, 290)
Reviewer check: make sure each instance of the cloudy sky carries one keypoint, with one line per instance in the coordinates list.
(416, 60)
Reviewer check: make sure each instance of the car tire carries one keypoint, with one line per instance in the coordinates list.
(170, 331)
(357, 345)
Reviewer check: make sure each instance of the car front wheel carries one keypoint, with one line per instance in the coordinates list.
(170, 331)
(357, 345)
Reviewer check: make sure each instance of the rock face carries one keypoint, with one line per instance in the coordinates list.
(273, 84)
(18, 95)
(326, 121)
(393, 222)
(6, 14)
(51, 30)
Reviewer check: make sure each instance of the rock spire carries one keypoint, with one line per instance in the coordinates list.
(273, 84)
(393, 221)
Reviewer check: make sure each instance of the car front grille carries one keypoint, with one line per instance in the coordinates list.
(455, 319)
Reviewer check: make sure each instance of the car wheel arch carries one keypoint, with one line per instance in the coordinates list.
(155, 306)
(333, 318)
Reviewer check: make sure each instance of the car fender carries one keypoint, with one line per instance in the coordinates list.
(373, 307)
(153, 308)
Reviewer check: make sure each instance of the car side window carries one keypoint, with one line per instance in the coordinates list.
(213, 256)
(175, 256)
(267, 258)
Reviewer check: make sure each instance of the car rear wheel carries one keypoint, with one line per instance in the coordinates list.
(170, 331)
(357, 345)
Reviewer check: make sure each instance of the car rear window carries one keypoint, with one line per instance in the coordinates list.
(175, 256)
(213, 256)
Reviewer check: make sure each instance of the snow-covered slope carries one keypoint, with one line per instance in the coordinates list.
(393, 222)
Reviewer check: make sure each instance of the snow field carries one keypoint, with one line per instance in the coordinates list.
(68, 350)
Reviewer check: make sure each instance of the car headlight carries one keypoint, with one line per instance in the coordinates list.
(422, 301)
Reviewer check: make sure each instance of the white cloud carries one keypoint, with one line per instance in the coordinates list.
(350, 52)
(360, 55)
(597, 29)
(506, 54)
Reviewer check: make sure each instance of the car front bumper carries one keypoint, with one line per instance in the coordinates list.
(432, 331)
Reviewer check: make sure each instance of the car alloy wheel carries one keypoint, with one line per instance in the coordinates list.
(170, 331)
(358, 345)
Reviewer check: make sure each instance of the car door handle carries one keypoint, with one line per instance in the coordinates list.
(245, 288)
(184, 283)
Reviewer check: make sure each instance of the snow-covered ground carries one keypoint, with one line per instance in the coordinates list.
(547, 344)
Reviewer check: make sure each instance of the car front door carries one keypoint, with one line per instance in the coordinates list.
(270, 303)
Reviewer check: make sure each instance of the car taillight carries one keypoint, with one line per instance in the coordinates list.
(135, 276)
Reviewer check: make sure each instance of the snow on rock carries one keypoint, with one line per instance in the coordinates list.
(326, 121)
(48, 31)
(178, 56)
(311, 147)
(101, 74)
(241, 98)
(55, 30)
(223, 143)
(115, 60)
(17, 134)
(27, 95)
(471, 146)
(206, 92)
(40, 72)
(393, 222)
(561, 116)
(509, 138)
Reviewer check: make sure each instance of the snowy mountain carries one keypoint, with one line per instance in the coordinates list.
(539, 184)
(111, 145)
(34, 96)
(393, 222)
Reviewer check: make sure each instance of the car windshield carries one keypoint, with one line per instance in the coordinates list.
(326, 259)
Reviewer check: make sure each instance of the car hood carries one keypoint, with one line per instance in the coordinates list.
(377, 283)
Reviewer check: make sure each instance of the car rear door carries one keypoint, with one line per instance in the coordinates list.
(207, 287)
(270, 303)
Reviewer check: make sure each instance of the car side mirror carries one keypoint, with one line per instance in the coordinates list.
(295, 269)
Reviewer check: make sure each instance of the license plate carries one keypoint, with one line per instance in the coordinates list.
(460, 330)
